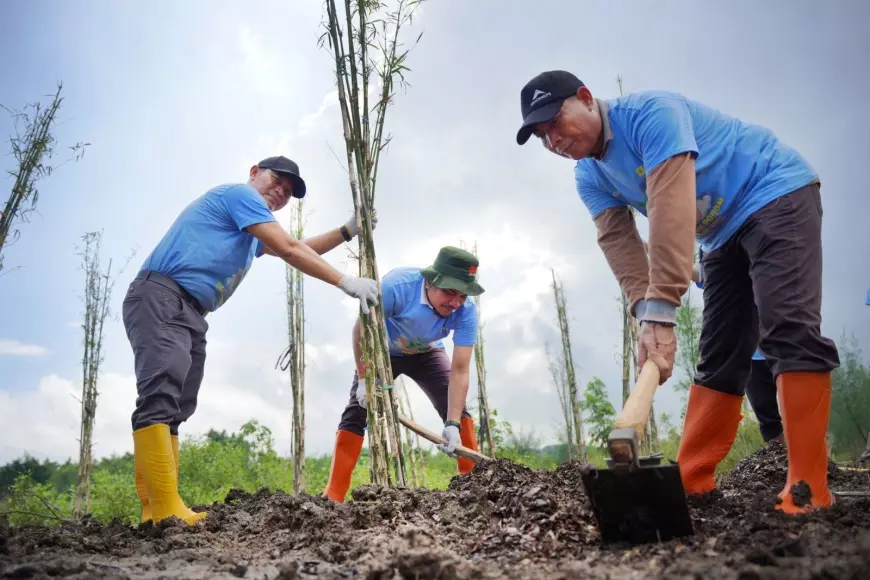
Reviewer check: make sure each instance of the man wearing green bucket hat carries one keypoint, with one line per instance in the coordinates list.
(421, 307)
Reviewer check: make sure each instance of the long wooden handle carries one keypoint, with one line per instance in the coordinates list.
(635, 412)
(461, 451)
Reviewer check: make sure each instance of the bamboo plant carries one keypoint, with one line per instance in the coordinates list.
(296, 355)
(568, 362)
(484, 417)
(98, 289)
(363, 37)
(32, 147)
(557, 372)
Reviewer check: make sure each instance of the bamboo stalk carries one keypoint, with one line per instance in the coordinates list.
(296, 352)
(568, 359)
(484, 417)
(32, 148)
(351, 39)
(97, 292)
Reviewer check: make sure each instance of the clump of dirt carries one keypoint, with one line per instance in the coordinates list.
(502, 520)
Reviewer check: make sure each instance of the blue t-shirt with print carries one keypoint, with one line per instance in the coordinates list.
(207, 250)
(739, 167)
(413, 326)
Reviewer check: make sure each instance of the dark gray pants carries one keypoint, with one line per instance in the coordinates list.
(761, 392)
(767, 280)
(168, 339)
(430, 370)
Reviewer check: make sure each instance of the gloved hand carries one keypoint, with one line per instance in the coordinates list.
(351, 224)
(365, 289)
(361, 394)
(658, 342)
(451, 434)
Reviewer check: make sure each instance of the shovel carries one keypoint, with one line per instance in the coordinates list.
(463, 452)
(436, 438)
(636, 499)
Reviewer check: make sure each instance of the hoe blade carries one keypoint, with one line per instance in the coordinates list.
(638, 504)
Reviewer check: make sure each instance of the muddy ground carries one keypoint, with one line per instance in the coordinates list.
(501, 521)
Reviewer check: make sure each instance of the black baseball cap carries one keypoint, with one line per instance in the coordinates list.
(281, 164)
(542, 97)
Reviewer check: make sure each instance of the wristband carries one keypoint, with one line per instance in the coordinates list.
(345, 233)
(450, 422)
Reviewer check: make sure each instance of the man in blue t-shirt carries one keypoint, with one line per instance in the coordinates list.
(754, 205)
(421, 307)
(194, 270)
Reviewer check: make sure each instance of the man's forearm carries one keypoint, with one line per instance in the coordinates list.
(671, 210)
(294, 252)
(624, 251)
(325, 242)
(457, 391)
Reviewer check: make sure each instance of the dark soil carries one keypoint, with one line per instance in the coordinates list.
(501, 521)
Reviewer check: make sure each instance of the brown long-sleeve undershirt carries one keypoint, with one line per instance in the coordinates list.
(671, 210)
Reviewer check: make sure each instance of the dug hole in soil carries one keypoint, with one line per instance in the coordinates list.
(501, 521)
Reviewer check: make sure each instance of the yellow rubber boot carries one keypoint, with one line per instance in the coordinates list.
(142, 492)
(153, 453)
(174, 441)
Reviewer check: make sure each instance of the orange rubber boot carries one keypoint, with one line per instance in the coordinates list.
(708, 433)
(805, 405)
(469, 439)
(348, 447)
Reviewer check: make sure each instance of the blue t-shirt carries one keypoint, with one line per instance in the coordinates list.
(207, 251)
(739, 167)
(413, 326)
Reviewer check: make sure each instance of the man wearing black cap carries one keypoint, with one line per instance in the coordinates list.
(194, 270)
(754, 205)
(421, 307)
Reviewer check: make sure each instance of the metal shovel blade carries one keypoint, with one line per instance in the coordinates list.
(638, 503)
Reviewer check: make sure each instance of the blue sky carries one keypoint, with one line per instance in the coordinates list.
(176, 97)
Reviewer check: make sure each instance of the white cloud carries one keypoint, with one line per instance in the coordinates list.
(264, 65)
(18, 348)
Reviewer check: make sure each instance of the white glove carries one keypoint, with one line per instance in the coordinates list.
(352, 226)
(451, 434)
(365, 289)
(361, 394)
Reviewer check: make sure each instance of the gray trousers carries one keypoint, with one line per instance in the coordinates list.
(430, 370)
(167, 334)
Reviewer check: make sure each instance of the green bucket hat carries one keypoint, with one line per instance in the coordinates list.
(454, 269)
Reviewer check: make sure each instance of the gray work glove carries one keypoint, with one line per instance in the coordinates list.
(352, 227)
(365, 289)
(451, 435)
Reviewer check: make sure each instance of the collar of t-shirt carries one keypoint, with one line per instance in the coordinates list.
(604, 111)
(423, 299)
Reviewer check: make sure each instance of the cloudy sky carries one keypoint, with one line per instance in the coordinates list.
(177, 97)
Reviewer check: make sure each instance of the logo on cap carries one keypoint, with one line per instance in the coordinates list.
(538, 95)
(472, 271)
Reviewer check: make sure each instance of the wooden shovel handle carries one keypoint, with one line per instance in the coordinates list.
(635, 412)
(461, 451)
